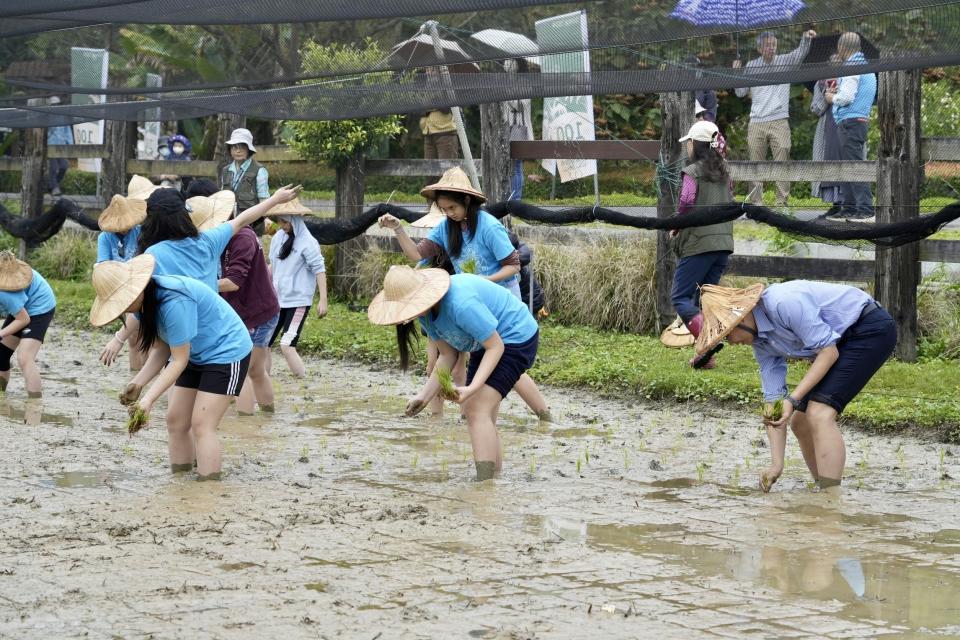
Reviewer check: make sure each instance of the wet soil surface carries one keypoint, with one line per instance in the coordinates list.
(339, 518)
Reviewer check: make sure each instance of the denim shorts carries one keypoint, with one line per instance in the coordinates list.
(514, 362)
(260, 335)
(864, 347)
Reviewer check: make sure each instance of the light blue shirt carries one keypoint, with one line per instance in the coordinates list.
(855, 94)
(263, 178)
(116, 246)
(190, 313)
(798, 319)
(488, 246)
(60, 135)
(472, 309)
(197, 258)
(37, 298)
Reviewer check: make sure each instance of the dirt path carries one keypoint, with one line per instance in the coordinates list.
(337, 518)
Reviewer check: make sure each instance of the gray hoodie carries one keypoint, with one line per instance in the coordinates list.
(295, 277)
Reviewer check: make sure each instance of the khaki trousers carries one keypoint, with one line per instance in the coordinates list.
(441, 146)
(775, 136)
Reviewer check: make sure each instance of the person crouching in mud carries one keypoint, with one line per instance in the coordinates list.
(844, 332)
(463, 313)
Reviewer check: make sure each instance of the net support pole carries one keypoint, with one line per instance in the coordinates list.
(120, 140)
(677, 110)
(899, 177)
(455, 110)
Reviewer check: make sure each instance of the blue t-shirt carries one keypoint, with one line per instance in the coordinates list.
(116, 246)
(197, 258)
(488, 246)
(190, 312)
(37, 298)
(472, 309)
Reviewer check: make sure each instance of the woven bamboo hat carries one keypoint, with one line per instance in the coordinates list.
(452, 180)
(208, 212)
(117, 285)
(14, 274)
(433, 218)
(723, 308)
(122, 214)
(291, 208)
(140, 188)
(677, 335)
(407, 293)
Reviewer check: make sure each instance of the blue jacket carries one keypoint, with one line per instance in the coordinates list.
(866, 92)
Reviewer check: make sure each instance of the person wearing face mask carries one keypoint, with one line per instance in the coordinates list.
(702, 252)
(178, 150)
(246, 177)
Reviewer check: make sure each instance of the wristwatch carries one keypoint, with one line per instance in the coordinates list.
(793, 401)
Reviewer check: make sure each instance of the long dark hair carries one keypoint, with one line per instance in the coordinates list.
(407, 338)
(287, 245)
(149, 313)
(713, 168)
(454, 234)
(167, 222)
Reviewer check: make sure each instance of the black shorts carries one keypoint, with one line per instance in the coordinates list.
(222, 379)
(37, 329)
(864, 347)
(290, 325)
(514, 362)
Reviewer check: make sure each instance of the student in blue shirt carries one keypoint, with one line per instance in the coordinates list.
(476, 242)
(463, 313)
(27, 305)
(198, 345)
(844, 332)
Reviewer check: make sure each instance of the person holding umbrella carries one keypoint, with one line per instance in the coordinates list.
(844, 332)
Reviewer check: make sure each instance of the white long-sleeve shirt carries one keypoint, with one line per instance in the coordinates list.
(772, 102)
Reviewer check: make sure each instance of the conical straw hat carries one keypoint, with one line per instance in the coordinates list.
(407, 293)
(676, 335)
(208, 212)
(122, 214)
(452, 180)
(14, 274)
(723, 308)
(291, 208)
(117, 285)
(433, 218)
(140, 188)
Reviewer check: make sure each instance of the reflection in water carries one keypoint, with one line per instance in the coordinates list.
(31, 413)
(88, 479)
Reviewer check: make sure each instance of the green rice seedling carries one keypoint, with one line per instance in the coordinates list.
(533, 464)
(586, 454)
(735, 481)
(447, 389)
(773, 413)
(416, 460)
(626, 459)
(578, 465)
(701, 471)
(137, 421)
(469, 265)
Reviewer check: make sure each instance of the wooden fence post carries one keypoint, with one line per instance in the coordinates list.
(351, 178)
(119, 141)
(899, 176)
(227, 122)
(677, 113)
(496, 163)
(33, 178)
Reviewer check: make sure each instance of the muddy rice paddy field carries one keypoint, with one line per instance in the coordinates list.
(337, 518)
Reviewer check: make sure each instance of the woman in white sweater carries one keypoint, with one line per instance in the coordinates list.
(298, 271)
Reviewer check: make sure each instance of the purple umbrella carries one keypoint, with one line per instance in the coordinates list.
(736, 13)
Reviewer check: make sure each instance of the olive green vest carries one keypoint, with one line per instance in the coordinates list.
(246, 190)
(714, 237)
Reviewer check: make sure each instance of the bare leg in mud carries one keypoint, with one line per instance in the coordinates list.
(208, 410)
(481, 410)
(803, 432)
(257, 387)
(528, 391)
(179, 438)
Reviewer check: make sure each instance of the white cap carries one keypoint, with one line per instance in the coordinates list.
(697, 108)
(242, 136)
(702, 131)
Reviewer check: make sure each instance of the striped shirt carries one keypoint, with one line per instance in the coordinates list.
(798, 319)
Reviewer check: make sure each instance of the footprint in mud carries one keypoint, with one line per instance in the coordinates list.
(407, 512)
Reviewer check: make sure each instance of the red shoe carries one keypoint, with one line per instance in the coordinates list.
(695, 326)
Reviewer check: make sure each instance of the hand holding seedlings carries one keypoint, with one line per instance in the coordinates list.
(768, 477)
(469, 265)
(464, 392)
(777, 414)
(415, 406)
(138, 418)
(448, 390)
(130, 394)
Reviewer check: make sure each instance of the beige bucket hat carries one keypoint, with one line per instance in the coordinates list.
(140, 188)
(122, 214)
(677, 335)
(117, 285)
(15, 274)
(292, 208)
(452, 180)
(433, 218)
(208, 212)
(723, 308)
(407, 293)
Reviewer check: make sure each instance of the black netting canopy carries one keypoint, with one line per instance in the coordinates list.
(298, 59)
